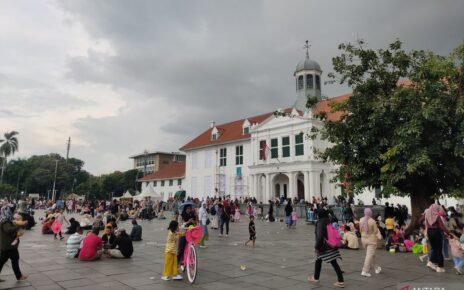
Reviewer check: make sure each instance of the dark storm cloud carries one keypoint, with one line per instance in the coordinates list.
(225, 60)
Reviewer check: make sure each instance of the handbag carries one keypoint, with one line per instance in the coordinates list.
(208, 221)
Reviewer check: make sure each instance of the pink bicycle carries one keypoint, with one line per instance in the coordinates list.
(193, 237)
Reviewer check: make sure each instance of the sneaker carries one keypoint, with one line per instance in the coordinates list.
(165, 278)
(365, 274)
(458, 270)
(312, 280)
(378, 269)
(431, 265)
(227, 236)
(339, 284)
(220, 235)
(421, 258)
(178, 277)
(182, 268)
(440, 270)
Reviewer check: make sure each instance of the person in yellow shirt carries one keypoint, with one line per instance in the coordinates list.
(390, 224)
(170, 270)
(350, 240)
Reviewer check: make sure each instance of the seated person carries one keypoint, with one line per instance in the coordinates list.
(122, 247)
(395, 239)
(136, 233)
(108, 237)
(73, 225)
(86, 222)
(98, 222)
(73, 244)
(91, 247)
(123, 216)
(133, 213)
(350, 240)
(47, 225)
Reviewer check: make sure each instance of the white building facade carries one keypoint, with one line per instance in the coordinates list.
(265, 156)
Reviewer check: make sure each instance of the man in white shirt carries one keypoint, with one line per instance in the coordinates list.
(73, 244)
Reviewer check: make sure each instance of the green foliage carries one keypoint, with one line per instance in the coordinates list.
(7, 189)
(405, 137)
(311, 101)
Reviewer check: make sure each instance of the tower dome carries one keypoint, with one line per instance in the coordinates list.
(307, 80)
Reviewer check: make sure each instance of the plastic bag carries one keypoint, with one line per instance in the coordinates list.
(417, 249)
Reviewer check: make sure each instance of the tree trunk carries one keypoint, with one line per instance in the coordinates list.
(419, 203)
(3, 169)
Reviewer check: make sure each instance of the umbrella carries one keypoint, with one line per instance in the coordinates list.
(187, 203)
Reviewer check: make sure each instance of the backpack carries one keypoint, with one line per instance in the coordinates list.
(213, 210)
(333, 237)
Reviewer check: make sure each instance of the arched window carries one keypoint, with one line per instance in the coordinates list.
(309, 81)
(300, 82)
(318, 82)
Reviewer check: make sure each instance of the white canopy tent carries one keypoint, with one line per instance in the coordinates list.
(149, 191)
(127, 195)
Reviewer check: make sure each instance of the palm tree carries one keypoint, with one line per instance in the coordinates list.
(8, 147)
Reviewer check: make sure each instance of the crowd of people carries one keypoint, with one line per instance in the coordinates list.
(95, 232)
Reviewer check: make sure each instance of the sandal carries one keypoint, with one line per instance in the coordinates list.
(311, 279)
(339, 284)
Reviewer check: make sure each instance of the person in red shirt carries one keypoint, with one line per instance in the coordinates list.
(92, 246)
(47, 225)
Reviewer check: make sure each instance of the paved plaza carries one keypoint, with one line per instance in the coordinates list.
(282, 259)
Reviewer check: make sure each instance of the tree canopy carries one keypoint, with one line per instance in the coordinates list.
(402, 130)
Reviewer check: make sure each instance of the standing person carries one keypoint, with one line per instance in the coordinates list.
(225, 218)
(369, 231)
(8, 232)
(59, 220)
(237, 213)
(203, 218)
(270, 213)
(170, 261)
(214, 213)
(324, 252)
(435, 232)
(252, 231)
(288, 213)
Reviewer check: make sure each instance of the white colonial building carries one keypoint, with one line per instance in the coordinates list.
(268, 155)
(165, 182)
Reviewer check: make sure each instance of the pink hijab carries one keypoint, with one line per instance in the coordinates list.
(433, 213)
(367, 215)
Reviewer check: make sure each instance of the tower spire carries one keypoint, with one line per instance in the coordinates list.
(307, 46)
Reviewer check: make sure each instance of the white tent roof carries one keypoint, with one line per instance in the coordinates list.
(149, 191)
(127, 195)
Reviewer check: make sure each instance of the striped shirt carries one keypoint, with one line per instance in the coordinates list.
(73, 245)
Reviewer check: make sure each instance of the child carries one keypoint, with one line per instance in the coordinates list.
(170, 259)
(237, 214)
(18, 220)
(294, 218)
(457, 251)
(252, 231)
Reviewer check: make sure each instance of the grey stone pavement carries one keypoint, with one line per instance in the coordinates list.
(282, 259)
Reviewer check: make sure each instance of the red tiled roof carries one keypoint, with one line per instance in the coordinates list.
(171, 171)
(227, 132)
(324, 106)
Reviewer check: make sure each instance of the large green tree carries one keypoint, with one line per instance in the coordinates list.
(8, 146)
(402, 130)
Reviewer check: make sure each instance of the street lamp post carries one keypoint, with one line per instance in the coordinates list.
(54, 181)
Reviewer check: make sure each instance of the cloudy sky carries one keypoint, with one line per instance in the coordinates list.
(120, 77)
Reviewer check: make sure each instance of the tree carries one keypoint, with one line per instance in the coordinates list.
(8, 147)
(405, 137)
(7, 189)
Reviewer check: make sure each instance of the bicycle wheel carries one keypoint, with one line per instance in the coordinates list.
(192, 264)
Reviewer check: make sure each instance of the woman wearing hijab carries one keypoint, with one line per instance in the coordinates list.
(203, 218)
(369, 231)
(8, 232)
(435, 228)
(324, 252)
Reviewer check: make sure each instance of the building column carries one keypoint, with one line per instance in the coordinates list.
(291, 184)
(315, 183)
(266, 188)
(307, 194)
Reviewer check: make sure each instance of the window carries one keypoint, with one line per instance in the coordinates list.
(262, 150)
(309, 81)
(214, 137)
(246, 130)
(274, 148)
(239, 155)
(299, 147)
(179, 181)
(171, 182)
(223, 157)
(154, 183)
(285, 146)
(300, 82)
(162, 182)
(318, 82)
